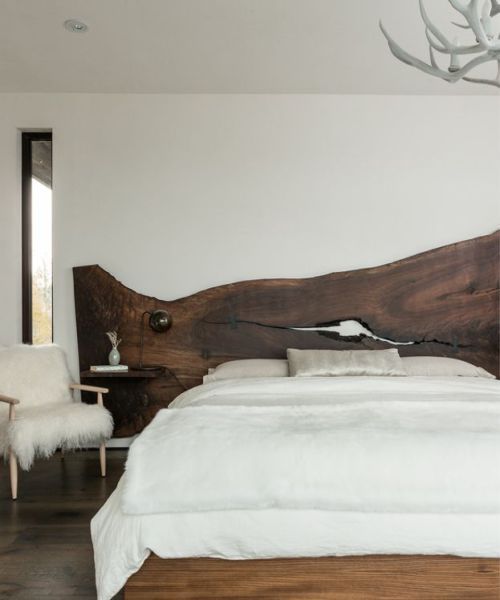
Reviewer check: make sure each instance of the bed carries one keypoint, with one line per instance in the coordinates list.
(409, 481)
(360, 541)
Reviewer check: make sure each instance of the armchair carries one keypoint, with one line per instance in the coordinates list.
(42, 415)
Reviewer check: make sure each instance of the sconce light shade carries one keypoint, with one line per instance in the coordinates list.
(160, 321)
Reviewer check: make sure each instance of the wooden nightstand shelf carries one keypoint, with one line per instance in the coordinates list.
(127, 390)
(130, 374)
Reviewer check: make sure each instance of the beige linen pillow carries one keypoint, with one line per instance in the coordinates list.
(337, 363)
(250, 367)
(440, 366)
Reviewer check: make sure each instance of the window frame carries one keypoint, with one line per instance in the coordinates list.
(27, 137)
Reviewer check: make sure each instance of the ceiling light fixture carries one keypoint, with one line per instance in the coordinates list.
(479, 21)
(75, 26)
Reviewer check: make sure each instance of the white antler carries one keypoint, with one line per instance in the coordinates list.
(479, 19)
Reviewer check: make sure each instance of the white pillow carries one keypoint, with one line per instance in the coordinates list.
(440, 366)
(338, 363)
(250, 367)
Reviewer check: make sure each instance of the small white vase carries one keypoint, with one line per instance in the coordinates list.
(114, 357)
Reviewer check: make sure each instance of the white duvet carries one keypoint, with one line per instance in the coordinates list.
(309, 467)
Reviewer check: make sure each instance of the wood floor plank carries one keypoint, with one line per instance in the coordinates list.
(45, 546)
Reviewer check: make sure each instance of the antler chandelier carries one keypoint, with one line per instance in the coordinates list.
(479, 20)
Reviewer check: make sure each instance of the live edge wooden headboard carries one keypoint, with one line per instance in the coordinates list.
(444, 302)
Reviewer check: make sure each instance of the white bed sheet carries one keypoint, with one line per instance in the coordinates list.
(123, 542)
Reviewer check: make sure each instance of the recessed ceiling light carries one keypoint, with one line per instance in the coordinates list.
(75, 26)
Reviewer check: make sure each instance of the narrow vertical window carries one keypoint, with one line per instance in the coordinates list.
(37, 237)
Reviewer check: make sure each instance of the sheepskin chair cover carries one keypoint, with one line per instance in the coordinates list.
(47, 417)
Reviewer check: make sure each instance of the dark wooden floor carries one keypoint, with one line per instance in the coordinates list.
(45, 547)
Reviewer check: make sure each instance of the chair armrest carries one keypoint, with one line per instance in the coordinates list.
(8, 400)
(12, 405)
(89, 388)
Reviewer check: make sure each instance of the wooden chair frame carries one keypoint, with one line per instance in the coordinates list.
(12, 402)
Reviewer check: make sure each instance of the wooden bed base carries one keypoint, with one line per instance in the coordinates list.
(334, 578)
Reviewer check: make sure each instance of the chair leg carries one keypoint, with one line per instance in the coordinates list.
(13, 474)
(102, 458)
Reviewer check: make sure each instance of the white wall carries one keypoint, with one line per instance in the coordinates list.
(176, 193)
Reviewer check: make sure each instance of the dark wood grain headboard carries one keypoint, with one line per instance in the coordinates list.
(444, 302)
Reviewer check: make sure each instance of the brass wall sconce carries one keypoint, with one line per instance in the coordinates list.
(159, 321)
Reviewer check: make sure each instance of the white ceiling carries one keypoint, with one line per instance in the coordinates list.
(216, 46)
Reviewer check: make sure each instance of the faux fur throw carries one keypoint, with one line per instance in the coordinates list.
(47, 417)
(35, 375)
